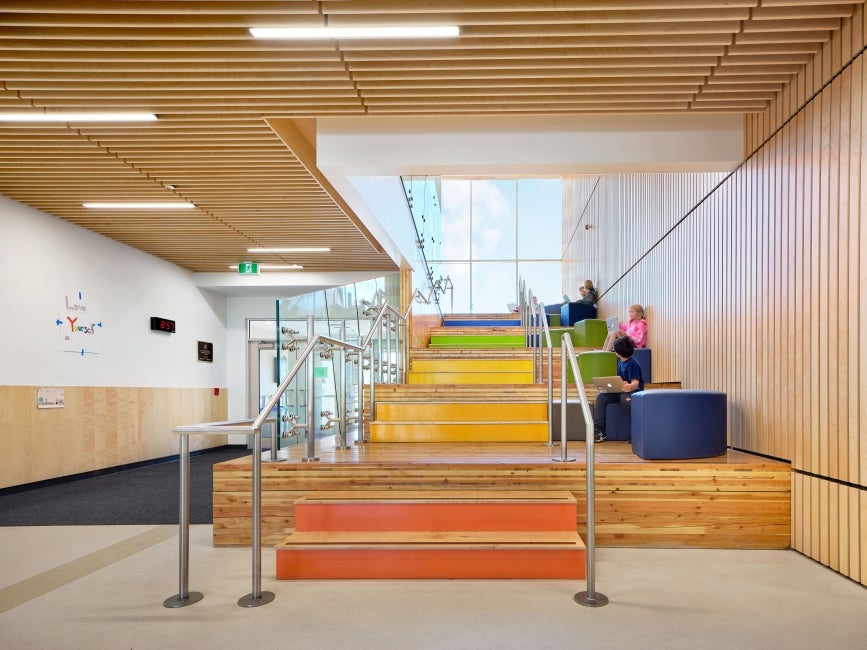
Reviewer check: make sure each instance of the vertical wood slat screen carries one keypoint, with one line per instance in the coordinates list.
(760, 291)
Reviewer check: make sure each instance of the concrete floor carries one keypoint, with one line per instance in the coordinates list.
(92, 587)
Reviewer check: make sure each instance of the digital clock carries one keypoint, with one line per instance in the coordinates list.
(162, 324)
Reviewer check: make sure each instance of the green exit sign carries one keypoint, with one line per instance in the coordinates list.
(248, 268)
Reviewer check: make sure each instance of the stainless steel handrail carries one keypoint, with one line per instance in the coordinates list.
(249, 427)
(590, 597)
(543, 320)
(185, 597)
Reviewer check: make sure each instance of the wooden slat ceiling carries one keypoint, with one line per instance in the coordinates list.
(213, 86)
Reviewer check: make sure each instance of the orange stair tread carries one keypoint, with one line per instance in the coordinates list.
(436, 539)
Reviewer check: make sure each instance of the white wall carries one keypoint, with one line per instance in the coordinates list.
(45, 259)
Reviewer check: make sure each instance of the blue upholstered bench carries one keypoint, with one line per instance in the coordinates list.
(678, 424)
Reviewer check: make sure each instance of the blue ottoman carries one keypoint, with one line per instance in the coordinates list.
(644, 359)
(679, 424)
(572, 312)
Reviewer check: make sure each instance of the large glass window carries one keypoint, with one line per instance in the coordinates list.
(540, 215)
(494, 211)
(493, 232)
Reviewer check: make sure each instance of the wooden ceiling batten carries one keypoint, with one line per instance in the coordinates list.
(215, 90)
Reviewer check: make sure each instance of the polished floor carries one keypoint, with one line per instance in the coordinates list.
(93, 587)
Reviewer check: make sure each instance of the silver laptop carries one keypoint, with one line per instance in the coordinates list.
(566, 298)
(612, 323)
(609, 384)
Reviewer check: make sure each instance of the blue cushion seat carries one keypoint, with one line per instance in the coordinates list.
(679, 424)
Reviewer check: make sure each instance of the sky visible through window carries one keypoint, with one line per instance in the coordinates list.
(494, 230)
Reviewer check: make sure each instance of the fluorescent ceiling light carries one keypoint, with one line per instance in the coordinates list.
(373, 31)
(77, 117)
(272, 267)
(146, 205)
(289, 250)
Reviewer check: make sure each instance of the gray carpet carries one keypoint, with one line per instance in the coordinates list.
(143, 495)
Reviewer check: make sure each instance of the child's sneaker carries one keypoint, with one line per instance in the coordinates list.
(600, 436)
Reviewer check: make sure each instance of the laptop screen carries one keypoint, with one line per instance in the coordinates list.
(612, 324)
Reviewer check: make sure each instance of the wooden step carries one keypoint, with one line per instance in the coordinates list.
(468, 377)
(433, 510)
(431, 556)
(521, 431)
(511, 330)
(431, 534)
(457, 393)
(404, 411)
(503, 364)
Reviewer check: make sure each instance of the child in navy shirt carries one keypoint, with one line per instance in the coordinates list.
(630, 372)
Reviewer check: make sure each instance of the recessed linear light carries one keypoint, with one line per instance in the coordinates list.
(77, 117)
(289, 250)
(140, 205)
(373, 31)
(272, 267)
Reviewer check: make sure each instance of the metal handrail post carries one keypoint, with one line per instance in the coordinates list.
(184, 596)
(387, 324)
(257, 597)
(341, 396)
(563, 390)
(311, 430)
(404, 364)
(590, 597)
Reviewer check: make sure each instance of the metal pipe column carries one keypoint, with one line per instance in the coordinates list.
(311, 430)
(257, 597)
(184, 597)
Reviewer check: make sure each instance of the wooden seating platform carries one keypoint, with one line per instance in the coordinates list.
(433, 534)
(737, 501)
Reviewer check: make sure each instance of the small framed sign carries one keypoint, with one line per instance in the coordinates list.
(206, 351)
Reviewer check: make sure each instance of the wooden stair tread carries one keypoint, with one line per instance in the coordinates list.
(482, 330)
(438, 496)
(436, 539)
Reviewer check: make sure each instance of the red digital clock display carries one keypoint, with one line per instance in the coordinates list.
(162, 324)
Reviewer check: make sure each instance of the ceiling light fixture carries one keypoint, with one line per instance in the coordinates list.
(272, 267)
(289, 250)
(140, 205)
(372, 31)
(77, 117)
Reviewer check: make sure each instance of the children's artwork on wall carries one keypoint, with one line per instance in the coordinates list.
(49, 397)
(79, 325)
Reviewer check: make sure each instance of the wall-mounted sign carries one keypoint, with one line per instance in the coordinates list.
(162, 324)
(248, 268)
(206, 351)
(49, 397)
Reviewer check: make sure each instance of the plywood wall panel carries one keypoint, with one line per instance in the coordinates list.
(760, 290)
(98, 428)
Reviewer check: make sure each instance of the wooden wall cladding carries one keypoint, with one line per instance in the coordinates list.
(99, 427)
(757, 287)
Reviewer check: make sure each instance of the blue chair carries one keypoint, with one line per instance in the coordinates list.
(679, 424)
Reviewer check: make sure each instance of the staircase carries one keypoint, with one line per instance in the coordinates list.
(433, 535)
(473, 384)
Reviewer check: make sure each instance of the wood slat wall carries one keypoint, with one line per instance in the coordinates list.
(99, 427)
(759, 290)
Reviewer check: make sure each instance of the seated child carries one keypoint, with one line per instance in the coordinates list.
(635, 328)
(630, 372)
